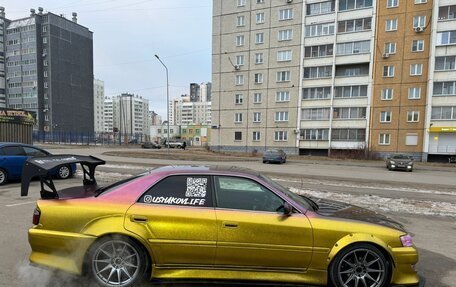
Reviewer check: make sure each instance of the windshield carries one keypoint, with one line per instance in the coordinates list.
(301, 200)
(401, 156)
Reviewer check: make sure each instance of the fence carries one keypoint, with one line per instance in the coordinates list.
(62, 137)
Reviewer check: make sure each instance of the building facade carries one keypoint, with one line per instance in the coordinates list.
(98, 105)
(128, 115)
(329, 77)
(48, 63)
(200, 92)
(183, 111)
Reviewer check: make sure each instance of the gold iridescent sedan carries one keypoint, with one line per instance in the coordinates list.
(217, 223)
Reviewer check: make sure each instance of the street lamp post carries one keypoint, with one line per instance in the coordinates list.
(167, 101)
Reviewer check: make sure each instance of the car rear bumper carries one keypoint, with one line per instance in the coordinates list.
(421, 283)
(59, 250)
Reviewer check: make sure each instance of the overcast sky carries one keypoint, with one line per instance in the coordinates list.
(127, 34)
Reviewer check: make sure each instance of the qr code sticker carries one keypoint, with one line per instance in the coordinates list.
(196, 187)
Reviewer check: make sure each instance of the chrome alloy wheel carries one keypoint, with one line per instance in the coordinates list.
(116, 263)
(361, 267)
(64, 172)
(2, 176)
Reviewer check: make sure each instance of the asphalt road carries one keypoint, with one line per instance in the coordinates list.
(426, 207)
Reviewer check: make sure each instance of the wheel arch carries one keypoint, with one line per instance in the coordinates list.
(353, 239)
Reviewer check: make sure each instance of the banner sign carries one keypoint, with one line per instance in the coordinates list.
(17, 116)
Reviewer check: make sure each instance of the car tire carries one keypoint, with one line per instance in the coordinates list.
(356, 262)
(64, 172)
(265, 161)
(114, 261)
(3, 176)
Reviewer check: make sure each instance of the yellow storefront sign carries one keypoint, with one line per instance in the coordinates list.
(442, 129)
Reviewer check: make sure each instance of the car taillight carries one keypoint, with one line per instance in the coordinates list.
(36, 216)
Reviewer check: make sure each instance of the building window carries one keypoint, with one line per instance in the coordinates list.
(257, 98)
(286, 14)
(384, 139)
(45, 74)
(416, 69)
(260, 1)
(283, 96)
(355, 70)
(239, 80)
(319, 30)
(315, 114)
(259, 58)
(446, 63)
(392, 3)
(240, 40)
(387, 94)
(418, 45)
(45, 63)
(446, 38)
(256, 117)
(258, 77)
(256, 136)
(420, 1)
(413, 116)
(44, 28)
(419, 21)
(240, 60)
(281, 136)
(444, 89)
(260, 18)
(237, 136)
(411, 139)
(353, 48)
(283, 56)
(447, 12)
(46, 85)
(385, 117)
(281, 117)
(318, 51)
(239, 99)
(354, 25)
(354, 4)
(285, 35)
(414, 93)
(320, 8)
(349, 113)
(240, 3)
(348, 135)
(317, 72)
(388, 71)
(391, 25)
(443, 113)
(45, 40)
(240, 21)
(350, 91)
(259, 38)
(314, 134)
(283, 76)
(238, 117)
(318, 93)
(390, 48)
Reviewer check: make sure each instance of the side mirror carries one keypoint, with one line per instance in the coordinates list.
(286, 208)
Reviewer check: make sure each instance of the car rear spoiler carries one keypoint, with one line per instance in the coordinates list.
(41, 167)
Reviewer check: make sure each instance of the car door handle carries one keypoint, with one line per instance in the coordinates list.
(230, 224)
(138, 218)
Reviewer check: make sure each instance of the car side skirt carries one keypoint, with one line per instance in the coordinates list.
(239, 273)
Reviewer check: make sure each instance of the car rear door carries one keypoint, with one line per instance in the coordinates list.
(13, 160)
(252, 234)
(177, 218)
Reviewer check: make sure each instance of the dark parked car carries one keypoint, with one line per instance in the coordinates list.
(151, 145)
(274, 155)
(399, 162)
(14, 155)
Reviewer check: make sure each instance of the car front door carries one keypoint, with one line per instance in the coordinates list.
(253, 234)
(14, 159)
(176, 217)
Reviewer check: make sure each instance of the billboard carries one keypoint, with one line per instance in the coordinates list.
(17, 116)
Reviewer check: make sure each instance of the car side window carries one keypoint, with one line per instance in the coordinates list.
(244, 194)
(29, 151)
(182, 190)
(13, 151)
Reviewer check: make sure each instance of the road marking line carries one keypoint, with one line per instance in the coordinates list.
(22, 203)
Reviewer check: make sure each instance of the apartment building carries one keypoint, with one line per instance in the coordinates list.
(46, 66)
(184, 111)
(326, 77)
(98, 105)
(292, 74)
